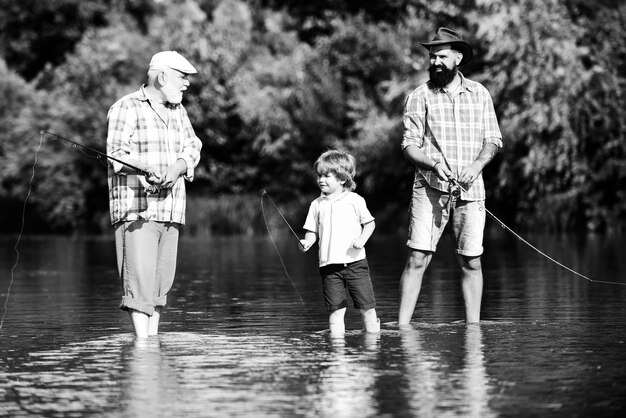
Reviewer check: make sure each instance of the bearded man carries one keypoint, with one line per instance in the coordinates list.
(450, 134)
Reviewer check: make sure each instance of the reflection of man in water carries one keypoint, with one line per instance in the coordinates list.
(450, 133)
(150, 130)
(444, 370)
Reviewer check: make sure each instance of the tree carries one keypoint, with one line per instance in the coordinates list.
(36, 34)
(549, 84)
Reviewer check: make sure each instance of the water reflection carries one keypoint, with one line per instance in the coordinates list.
(438, 380)
(474, 377)
(147, 379)
(347, 379)
(67, 381)
(237, 341)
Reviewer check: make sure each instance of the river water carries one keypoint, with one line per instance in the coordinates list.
(243, 336)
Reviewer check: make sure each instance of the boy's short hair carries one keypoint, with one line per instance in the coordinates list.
(341, 163)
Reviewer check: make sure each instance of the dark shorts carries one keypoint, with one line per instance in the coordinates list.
(339, 281)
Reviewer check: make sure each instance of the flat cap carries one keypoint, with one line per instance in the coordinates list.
(171, 59)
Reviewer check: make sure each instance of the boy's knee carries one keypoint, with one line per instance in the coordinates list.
(368, 313)
(337, 316)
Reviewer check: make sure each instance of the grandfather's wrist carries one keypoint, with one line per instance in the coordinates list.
(182, 166)
(434, 167)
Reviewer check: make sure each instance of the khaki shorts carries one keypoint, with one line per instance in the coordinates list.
(146, 260)
(429, 213)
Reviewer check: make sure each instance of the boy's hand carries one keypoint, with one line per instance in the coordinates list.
(305, 245)
(358, 243)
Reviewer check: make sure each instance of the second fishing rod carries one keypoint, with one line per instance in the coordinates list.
(99, 154)
(153, 178)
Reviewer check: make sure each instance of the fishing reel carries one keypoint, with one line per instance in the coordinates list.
(454, 189)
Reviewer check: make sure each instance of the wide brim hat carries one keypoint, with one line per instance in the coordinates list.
(456, 41)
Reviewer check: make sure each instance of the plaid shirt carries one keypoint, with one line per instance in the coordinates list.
(457, 125)
(136, 131)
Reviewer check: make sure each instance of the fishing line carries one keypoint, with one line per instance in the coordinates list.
(81, 148)
(544, 254)
(269, 232)
(263, 194)
(19, 237)
(503, 225)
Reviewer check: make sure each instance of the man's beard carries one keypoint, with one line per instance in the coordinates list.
(440, 79)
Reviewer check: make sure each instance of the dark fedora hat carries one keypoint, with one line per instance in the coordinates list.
(456, 41)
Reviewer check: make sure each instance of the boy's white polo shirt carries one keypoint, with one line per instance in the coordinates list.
(337, 220)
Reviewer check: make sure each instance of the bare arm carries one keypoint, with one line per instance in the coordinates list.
(366, 233)
(419, 159)
(309, 239)
(471, 172)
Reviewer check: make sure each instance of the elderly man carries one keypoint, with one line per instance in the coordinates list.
(450, 134)
(150, 130)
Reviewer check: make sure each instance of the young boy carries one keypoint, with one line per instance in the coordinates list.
(339, 219)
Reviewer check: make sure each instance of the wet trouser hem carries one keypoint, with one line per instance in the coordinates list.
(135, 305)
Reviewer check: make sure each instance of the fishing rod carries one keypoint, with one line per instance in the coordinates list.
(264, 194)
(269, 232)
(455, 191)
(503, 225)
(99, 154)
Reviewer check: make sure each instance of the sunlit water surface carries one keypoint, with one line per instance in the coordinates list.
(243, 336)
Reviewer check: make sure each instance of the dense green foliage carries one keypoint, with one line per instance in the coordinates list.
(281, 81)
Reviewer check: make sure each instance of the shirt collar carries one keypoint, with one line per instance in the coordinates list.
(144, 98)
(142, 93)
(464, 84)
(334, 197)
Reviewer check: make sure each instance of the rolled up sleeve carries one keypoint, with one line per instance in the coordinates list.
(121, 125)
(414, 121)
(491, 128)
(192, 146)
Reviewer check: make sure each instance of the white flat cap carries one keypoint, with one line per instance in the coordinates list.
(171, 59)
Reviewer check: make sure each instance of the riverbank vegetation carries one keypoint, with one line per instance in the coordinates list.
(281, 80)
